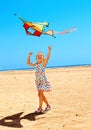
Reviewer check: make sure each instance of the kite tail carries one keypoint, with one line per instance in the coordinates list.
(50, 32)
(67, 31)
(20, 18)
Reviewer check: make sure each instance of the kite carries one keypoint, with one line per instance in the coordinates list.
(37, 28)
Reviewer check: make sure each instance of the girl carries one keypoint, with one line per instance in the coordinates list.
(41, 80)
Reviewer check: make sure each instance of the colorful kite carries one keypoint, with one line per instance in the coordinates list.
(37, 29)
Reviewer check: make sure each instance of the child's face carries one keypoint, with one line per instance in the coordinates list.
(39, 57)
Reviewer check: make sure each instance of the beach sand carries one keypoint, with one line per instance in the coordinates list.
(70, 100)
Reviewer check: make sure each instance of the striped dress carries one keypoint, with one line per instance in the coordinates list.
(41, 81)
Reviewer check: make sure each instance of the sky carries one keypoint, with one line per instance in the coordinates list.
(68, 49)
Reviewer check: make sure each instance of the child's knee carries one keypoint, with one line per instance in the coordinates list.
(40, 92)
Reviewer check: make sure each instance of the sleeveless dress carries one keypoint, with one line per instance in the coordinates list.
(41, 81)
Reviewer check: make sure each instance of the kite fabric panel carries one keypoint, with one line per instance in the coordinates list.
(38, 28)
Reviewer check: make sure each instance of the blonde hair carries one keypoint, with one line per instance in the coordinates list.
(40, 53)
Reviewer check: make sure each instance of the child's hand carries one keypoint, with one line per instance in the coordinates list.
(30, 53)
(49, 47)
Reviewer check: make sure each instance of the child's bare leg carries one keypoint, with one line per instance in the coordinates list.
(40, 94)
(45, 100)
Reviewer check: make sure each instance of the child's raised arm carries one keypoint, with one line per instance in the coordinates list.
(28, 60)
(48, 55)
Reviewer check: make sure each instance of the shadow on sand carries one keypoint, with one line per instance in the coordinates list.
(15, 120)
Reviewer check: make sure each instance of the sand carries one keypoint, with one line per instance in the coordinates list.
(70, 100)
